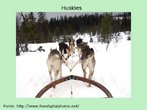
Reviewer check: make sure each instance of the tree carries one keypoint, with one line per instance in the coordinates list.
(21, 40)
(116, 28)
(41, 17)
(106, 29)
(43, 26)
(17, 35)
(38, 29)
(29, 28)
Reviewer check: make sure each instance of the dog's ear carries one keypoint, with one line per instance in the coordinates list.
(92, 50)
(50, 49)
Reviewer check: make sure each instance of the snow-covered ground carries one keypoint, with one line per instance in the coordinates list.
(113, 70)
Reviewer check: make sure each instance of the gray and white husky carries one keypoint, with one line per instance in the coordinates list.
(54, 63)
(71, 46)
(88, 60)
(81, 47)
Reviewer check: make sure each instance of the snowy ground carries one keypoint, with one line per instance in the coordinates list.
(113, 70)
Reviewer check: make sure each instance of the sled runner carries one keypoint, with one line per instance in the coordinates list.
(77, 78)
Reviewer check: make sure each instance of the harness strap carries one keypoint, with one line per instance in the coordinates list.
(75, 64)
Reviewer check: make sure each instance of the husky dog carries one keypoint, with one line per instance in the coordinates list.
(71, 46)
(88, 60)
(64, 50)
(78, 41)
(54, 63)
(81, 47)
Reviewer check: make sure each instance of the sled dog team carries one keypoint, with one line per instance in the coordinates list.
(56, 58)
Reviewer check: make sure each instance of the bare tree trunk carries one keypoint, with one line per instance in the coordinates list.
(17, 50)
(107, 45)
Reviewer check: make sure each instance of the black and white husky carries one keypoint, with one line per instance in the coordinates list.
(64, 50)
(78, 41)
(54, 63)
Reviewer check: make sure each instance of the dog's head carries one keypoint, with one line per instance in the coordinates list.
(54, 51)
(82, 45)
(79, 41)
(64, 50)
(87, 53)
(71, 41)
(65, 53)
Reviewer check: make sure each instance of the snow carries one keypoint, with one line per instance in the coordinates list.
(113, 70)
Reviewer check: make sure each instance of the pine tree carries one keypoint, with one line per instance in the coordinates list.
(106, 29)
(43, 26)
(17, 35)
